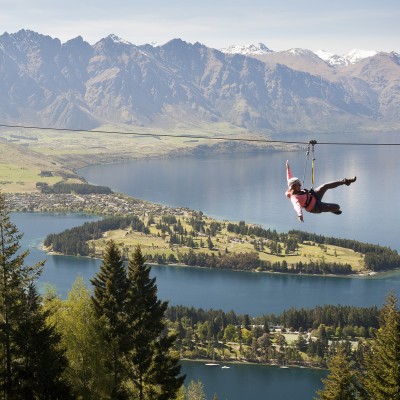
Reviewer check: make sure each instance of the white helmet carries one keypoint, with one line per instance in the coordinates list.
(292, 181)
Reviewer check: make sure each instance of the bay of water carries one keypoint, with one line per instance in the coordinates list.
(239, 381)
(251, 187)
(176, 284)
(244, 292)
(255, 382)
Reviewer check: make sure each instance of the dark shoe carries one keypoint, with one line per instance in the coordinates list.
(348, 181)
(338, 212)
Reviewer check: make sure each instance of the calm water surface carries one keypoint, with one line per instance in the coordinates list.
(251, 188)
(237, 382)
(255, 382)
(243, 292)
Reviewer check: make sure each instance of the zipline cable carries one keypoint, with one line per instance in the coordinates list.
(156, 135)
(305, 163)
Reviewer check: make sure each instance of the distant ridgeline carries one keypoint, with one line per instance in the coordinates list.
(75, 242)
(77, 188)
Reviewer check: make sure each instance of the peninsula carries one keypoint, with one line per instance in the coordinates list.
(180, 236)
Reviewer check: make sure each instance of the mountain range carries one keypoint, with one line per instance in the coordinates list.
(332, 59)
(180, 85)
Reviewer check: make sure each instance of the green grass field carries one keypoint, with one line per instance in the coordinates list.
(155, 244)
(63, 152)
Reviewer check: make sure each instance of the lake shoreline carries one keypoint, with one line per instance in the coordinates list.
(350, 276)
(246, 362)
(45, 203)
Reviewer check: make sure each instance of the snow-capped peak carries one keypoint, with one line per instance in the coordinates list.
(299, 52)
(351, 57)
(325, 55)
(247, 50)
(332, 59)
(117, 39)
(356, 55)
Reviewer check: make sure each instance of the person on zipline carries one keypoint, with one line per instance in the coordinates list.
(311, 199)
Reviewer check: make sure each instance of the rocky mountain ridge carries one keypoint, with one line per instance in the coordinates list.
(180, 85)
(332, 59)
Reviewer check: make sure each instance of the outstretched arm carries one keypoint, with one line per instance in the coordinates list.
(288, 172)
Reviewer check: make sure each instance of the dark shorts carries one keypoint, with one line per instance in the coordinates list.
(317, 208)
(318, 205)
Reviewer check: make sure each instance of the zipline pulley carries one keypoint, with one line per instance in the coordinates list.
(311, 145)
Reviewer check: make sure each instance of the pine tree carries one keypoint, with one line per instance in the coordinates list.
(76, 321)
(341, 382)
(15, 279)
(210, 244)
(153, 370)
(382, 361)
(195, 391)
(38, 344)
(109, 299)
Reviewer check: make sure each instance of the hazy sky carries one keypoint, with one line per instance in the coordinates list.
(337, 26)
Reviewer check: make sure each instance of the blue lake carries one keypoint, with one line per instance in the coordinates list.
(177, 284)
(189, 286)
(250, 187)
(255, 381)
(243, 292)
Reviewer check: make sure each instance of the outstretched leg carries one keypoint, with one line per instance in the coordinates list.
(321, 207)
(321, 190)
(330, 207)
